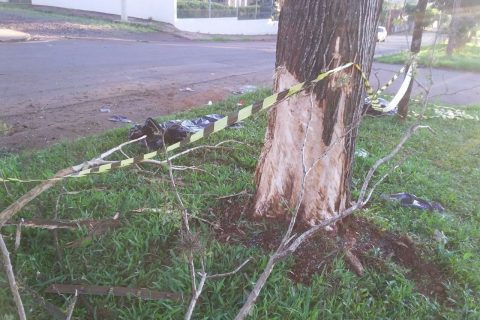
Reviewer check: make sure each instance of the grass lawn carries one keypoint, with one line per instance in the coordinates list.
(146, 251)
(62, 15)
(467, 59)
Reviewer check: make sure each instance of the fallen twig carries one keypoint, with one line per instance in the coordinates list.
(169, 159)
(71, 307)
(18, 236)
(227, 274)
(66, 224)
(15, 207)
(101, 159)
(157, 210)
(11, 279)
(52, 309)
(196, 292)
(141, 293)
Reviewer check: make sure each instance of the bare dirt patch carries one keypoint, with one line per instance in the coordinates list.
(38, 125)
(357, 234)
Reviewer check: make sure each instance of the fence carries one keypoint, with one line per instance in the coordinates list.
(240, 9)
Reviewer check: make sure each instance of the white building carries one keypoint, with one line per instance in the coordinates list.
(166, 11)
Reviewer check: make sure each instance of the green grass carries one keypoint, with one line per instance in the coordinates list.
(146, 251)
(467, 59)
(48, 14)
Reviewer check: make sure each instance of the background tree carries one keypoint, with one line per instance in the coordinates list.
(419, 16)
(464, 23)
(316, 131)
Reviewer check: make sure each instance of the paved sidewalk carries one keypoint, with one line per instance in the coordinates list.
(12, 35)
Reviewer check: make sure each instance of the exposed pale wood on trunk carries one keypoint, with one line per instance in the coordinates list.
(314, 36)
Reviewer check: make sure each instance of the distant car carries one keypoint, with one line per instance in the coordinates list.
(381, 34)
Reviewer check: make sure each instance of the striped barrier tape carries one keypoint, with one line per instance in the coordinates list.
(218, 125)
(403, 88)
(392, 80)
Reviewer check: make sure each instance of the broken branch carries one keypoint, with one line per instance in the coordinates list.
(227, 274)
(11, 279)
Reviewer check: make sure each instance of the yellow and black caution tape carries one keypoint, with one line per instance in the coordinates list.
(392, 80)
(218, 125)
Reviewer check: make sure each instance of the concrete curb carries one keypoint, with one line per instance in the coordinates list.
(8, 35)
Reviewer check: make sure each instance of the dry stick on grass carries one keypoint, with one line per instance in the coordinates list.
(196, 289)
(90, 224)
(71, 307)
(290, 244)
(18, 205)
(18, 236)
(231, 273)
(169, 159)
(140, 293)
(156, 210)
(11, 279)
(15, 207)
(50, 308)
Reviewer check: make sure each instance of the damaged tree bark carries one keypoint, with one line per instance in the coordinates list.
(315, 36)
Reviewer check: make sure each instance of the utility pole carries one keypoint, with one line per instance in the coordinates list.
(124, 11)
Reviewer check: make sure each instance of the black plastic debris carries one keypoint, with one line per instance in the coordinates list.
(172, 131)
(412, 201)
(369, 110)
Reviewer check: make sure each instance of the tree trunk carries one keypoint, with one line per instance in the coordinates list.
(453, 30)
(414, 48)
(314, 36)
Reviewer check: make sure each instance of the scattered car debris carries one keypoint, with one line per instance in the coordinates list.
(245, 89)
(121, 119)
(105, 110)
(140, 293)
(448, 113)
(412, 201)
(440, 237)
(361, 153)
(172, 131)
(187, 89)
(369, 110)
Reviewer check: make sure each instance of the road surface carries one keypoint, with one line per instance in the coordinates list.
(52, 90)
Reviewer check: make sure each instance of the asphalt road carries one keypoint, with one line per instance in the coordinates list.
(399, 42)
(58, 73)
(54, 89)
